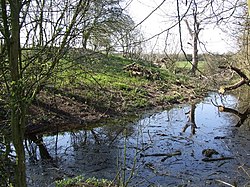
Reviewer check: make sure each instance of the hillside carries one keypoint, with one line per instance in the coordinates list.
(95, 87)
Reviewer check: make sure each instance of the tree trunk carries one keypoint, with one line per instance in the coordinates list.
(85, 38)
(17, 100)
(195, 54)
(194, 33)
(18, 115)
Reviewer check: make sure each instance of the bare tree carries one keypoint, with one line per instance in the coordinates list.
(194, 33)
(26, 49)
(200, 15)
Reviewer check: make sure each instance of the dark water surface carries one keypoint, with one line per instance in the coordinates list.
(133, 152)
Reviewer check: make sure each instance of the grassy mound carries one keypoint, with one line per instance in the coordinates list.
(91, 87)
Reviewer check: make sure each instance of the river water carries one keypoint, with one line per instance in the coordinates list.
(154, 150)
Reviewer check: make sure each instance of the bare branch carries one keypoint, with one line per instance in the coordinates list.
(244, 79)
(149, 14)
(189, 29)
(243, 116)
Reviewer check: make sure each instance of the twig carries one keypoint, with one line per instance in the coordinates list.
(245, 171)
(225, 183)
(149, 14)
(150, 137)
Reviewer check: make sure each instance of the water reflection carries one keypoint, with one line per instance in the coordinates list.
(174, 155)
(191, 120)
(243, 116)
(32, 143)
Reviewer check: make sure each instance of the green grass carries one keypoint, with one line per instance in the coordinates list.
(188, 65)
(103, 82)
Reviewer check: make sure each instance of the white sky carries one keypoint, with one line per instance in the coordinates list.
(214, 38)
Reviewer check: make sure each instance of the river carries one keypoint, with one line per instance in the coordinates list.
(153, 150)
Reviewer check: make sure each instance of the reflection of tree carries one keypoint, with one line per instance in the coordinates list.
(38, 140)
(113, 132)
(78, 138)
(243, 116)
(81, 137)
(191, 120)
(104, 135)
(98, 149)
(98, 135)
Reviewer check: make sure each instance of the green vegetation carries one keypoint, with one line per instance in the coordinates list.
(103, 82)
(80, 181)
(187, 65)
(88, 88)
(45, 80)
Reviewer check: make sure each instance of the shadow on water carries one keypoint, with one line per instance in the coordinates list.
(190, 145)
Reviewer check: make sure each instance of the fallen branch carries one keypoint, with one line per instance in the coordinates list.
(216, 159)
(222, 90)
(138, 70)
(173, 154)
(244, 79)
(237, 70)
(162, 154)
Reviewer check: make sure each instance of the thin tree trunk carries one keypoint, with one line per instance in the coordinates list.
(18, 103)
(17, 125)
(195, 54)
(194, 33)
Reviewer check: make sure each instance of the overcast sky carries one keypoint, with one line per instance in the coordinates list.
(214, 39)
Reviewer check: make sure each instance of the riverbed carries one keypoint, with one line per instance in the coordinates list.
(163, 148)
